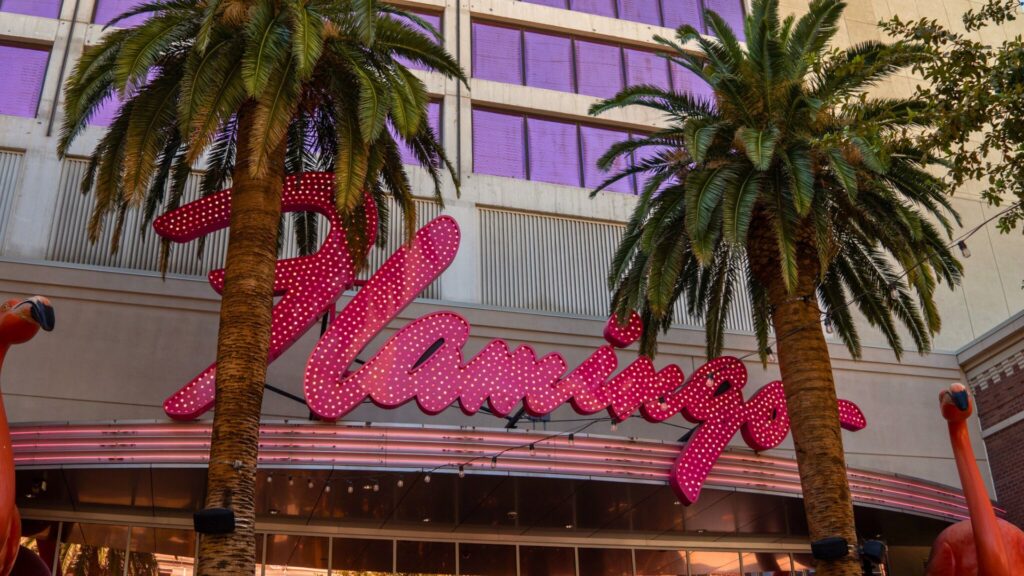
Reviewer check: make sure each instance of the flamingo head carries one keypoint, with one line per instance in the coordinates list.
(956, 403)
(20, 320)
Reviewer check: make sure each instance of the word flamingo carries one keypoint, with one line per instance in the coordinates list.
(984, 545)
(20, 320)
(423, 361)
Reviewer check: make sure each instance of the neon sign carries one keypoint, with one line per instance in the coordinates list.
(423, 361)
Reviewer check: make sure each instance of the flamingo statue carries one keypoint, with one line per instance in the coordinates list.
(983, 545)
(20, 320)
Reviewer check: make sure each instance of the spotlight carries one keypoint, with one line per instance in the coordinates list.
(401, 483)
(964, 250)
(426, 479)
(309, 484)
(614, 426)
(462, 471)
(831, 548)
(828, 325)
(327, 489)
(351, 488)
(270, 479)
(291, 481)
(494, 461)
(572, 439)
(376, 487)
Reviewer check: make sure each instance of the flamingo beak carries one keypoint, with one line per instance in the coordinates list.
(42, 313)
(960, 399)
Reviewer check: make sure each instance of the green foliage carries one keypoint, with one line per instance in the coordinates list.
(323, 77)
(790, 182)
(974, 87)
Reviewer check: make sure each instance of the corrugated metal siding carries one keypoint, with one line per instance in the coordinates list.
(554, 264)
(426, 210)
(10, 172)
(141, 251)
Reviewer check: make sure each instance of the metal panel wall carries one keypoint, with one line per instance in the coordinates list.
(559, 265)
(10, 172)
(140, 249)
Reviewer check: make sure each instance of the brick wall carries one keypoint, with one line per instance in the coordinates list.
(1007, 461)
(1002, 398)
(998, 400)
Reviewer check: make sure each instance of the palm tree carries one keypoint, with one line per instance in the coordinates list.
(793, 188)
(260, 86)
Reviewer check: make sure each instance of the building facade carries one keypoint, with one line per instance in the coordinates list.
(102, 467)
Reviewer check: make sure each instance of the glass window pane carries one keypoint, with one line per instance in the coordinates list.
(487, 560)
(163, 551)
(598, 69)
(434, 19)
(94, 549)
(498, 144)
(41, 8)
(599, 7)
(107, 10)
(546, 561)
(433, 120)
(497, 53)
(606, 562)
(646, 11)
(356, 555)
(286, 552)
(685, 81)
(548, 61)
(731, 11)
(679, 12)
(596, 142)
(660, 563)
(714, 564)
(554, 151)
(803, 564)
(766, 564)
(423, 558)
(643, 67)
(644, 154)
(24, 71)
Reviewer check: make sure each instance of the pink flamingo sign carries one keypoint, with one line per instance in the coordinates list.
(424, 361)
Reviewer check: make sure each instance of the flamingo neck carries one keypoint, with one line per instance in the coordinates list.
(988, 538)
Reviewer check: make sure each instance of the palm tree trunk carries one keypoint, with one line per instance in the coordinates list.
(242, 343)
(810, 397)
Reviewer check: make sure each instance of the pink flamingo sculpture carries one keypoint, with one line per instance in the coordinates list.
(20, 320)
(984, 545)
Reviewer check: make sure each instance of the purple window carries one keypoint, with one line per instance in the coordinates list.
(641, 155)
(679, 12)
(644, 67)
(598, 69)
(41, 8)
(731, 11)
(24, 71)
(599, 7)
(554, 151)
(687, 82)
(646, 11)
(554, 3)
(104, 114)
(497, 53)
(548, 61)
(596, 142)
(107, 10)
(434, 20)
(498, 144)
(433, 120)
